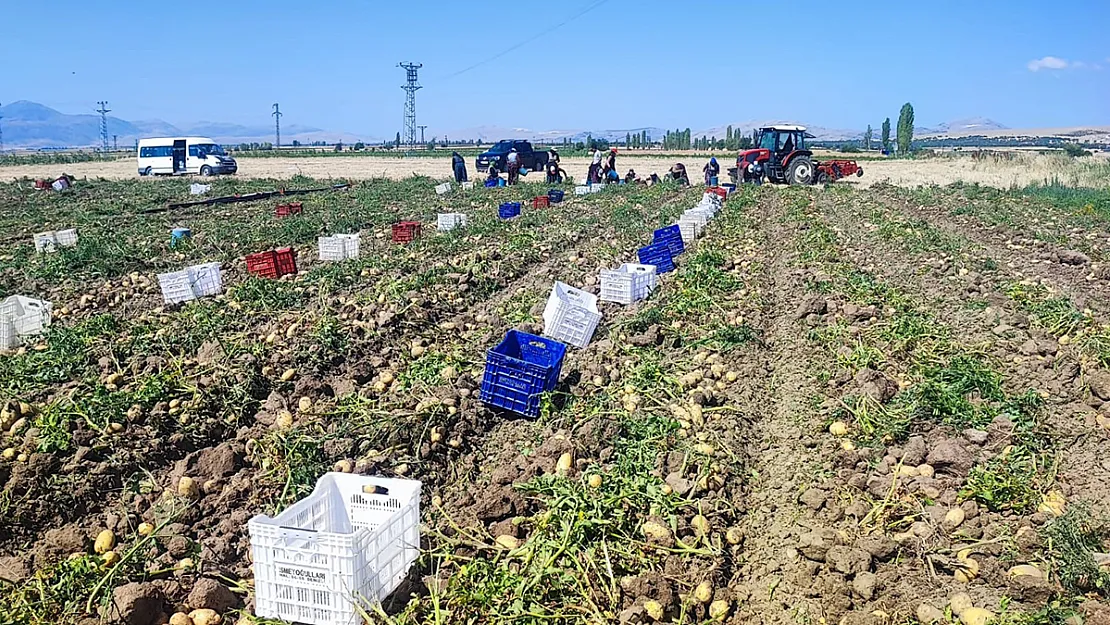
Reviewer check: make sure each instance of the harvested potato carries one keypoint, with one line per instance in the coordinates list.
(700, 525)
(959, 602)
(594, 481)
(703, 593)
(655, 531)
(734, 535)
(304, 404)
(284, 420)
(507, 541)
(1026, 570)
(145, 529)
(718, 609)
(838, 428)
(105, 542)
(288, 374)
(953, 518)
(205, 617)
(180, 618)
(188, 488)
(564, 464)
(654, 609)
(976, 616)
(110, 558)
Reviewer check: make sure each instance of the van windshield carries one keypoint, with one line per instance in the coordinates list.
(210, 148)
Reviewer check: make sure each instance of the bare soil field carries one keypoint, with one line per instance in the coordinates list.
(858, 407)
(1018, 171)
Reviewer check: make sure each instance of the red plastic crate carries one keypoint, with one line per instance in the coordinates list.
(285, 210)
(272, 263)
(406, 231)
(285, 260)
(262, 264)
(541, 201)
(721, 191)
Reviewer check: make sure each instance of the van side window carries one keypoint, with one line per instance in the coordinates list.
(155, 151)
(193, 151)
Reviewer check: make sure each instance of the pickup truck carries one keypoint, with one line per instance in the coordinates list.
(496, 156)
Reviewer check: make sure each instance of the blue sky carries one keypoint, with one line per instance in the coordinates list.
(623, 64)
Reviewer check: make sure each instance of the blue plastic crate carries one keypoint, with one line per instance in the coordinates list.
(508, 210)
(658, 254)
(521, 368)
(672, 236)
(555, 196)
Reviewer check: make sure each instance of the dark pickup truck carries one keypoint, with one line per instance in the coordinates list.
(496, 156)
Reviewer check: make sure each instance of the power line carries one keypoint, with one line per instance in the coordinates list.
(277, 126)
(577, 15)
(103, 110)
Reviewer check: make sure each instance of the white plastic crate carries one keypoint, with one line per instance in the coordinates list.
(468, 184)
(347, 545)
(45, 242)
(450, 221)
(571, 315)
(21, 317)
(338, 247)
(690, 229)
(66, 238)
(581, 190)
(444, 188)
(206, 279)
(631, 282)
(190, 283)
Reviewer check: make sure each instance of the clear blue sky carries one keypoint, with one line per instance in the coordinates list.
(625, 63)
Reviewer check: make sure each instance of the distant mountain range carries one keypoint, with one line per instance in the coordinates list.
(32, 125)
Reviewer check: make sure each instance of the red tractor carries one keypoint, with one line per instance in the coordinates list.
(780, 156)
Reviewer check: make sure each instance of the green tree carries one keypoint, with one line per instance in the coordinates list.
(905, 129)
(398, 141)
(867, 136)
(886, 134)
(359, 146)
(686, 139)
(646, 140)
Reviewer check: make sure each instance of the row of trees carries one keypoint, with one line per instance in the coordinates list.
(904, 130)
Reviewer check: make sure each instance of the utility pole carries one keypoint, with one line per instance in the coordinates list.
(277, 126)
(103, 110)
(115, 143)
(410, 101)
(422, 127)
(1, 134)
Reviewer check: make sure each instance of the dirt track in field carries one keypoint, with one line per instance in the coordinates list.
(900, 172)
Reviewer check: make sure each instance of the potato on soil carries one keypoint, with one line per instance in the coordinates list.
(180, 618)
(976, 616)
(700, 525)
(703, 593)
(145, 529)
(205, 616)
(564, 464)
(188, 488)
(656, 532)
(288, 374)
(838, 428)
(105, 542)
(506, 541)
(654, 610)
(718, 609)
(594, 481)
(110, 558)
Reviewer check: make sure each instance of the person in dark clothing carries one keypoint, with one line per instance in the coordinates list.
(712, 170)
(609, 166)
(494, 177)
(458, 165)
(678, 174)
(555, 174)
(552, 156)
(630, 177)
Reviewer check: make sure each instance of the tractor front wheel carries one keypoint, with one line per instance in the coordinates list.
(800, 171)
(822, 178)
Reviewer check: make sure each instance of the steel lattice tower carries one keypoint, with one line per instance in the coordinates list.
(277, 126)
(1, 133)
(103, 110)
(410, 102)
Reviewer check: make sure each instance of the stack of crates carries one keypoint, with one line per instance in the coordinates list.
(406, 231)
(508, 210)
(272, 263)
(338, 247)
(442, 189)
(190, 283)
(519, 370)
(51, 240)
(631, 282)
(671, 236)
(450, 221)
(571, 315)
(657, 254)
(22, 317)
(332, 556)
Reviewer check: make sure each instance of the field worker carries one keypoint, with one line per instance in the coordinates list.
(552, 156)
(610, 165)
(630, 177)
(678, 174)
(555, 174)
(513, 161)
(594, 174)
(712, 170)
(493, 179)
(458, 165)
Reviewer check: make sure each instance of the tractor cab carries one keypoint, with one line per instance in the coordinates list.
(780, 156)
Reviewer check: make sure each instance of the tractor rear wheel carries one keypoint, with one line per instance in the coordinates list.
(800, 171)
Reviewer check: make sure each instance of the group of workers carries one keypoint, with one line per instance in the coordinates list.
(603, 169)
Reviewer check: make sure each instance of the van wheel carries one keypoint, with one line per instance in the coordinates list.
(149, 171)
(206, 171)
